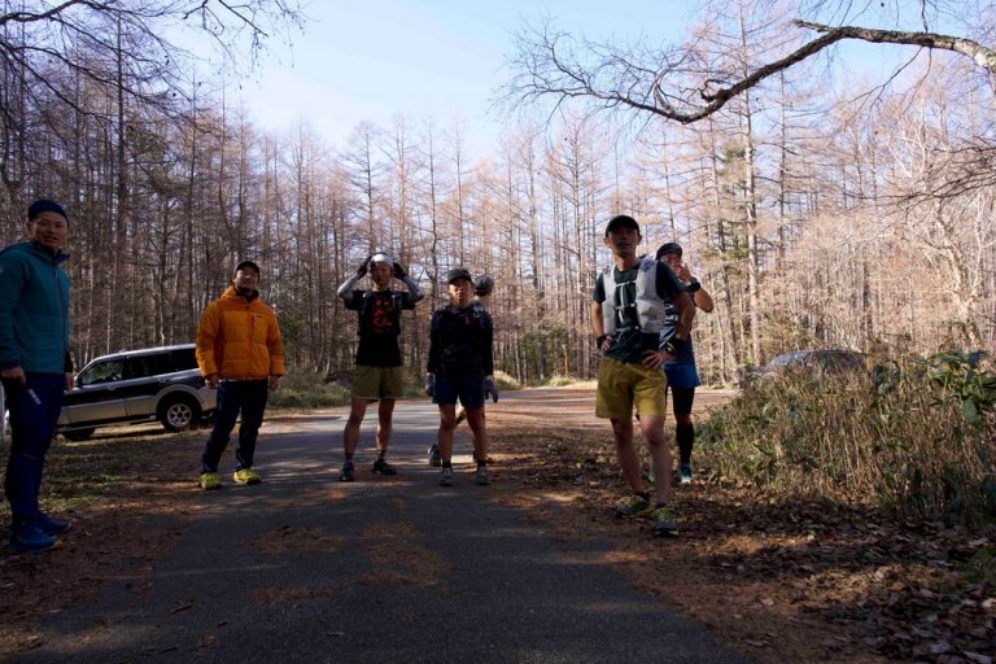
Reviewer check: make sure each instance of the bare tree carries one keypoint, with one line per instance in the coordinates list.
(127, 48)
(683, 83)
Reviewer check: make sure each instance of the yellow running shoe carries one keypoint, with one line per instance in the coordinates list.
(210, 481)
(247, 476)
(634, 507)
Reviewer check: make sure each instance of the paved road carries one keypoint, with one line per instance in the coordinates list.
(305, 569)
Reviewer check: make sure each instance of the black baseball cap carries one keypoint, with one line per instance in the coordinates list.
(244, 264)
(621, 221)
(669, 248)
(458, 273)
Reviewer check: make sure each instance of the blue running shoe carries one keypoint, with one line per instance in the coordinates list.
(47, 524)
(29, 538)
(685, 474)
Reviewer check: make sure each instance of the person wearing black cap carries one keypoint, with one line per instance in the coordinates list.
(379, 375)
(35, 366)
(682, 375)
(628, 313)
(461, 361)
(483, 287)
(240, 353)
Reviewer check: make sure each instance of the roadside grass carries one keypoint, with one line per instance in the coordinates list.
(79, 475)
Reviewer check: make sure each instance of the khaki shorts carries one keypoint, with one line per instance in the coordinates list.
(621, 385)
(378, 382)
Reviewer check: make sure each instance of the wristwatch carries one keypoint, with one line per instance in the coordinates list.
(693, 287)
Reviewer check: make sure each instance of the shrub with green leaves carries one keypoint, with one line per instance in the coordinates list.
(916, 435)
(307, 389)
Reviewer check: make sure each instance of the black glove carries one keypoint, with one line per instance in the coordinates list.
(490, 390)
(673, 345)
(399, 272)
(430, 385)
(363, 267)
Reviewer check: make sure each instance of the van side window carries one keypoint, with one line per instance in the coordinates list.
(182, 360)
(104, 372)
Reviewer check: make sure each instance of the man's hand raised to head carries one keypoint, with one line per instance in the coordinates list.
(362, 271)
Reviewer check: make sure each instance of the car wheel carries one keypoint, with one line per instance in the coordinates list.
(78, 434)
(179, 414)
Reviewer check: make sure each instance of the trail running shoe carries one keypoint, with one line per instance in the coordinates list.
(435, 459)
(635, 506)
(664, 523)
(446, 479)
(247, 476)
(29, 538)
(685, 474)
(47, 524)
(347, 472)
(482, 478)
(383, 467)
(210, 481)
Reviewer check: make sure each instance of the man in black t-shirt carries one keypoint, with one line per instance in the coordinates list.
(378, 375)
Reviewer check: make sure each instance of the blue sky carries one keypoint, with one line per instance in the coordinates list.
(439, 59)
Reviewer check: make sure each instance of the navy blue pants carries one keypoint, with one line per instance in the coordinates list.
(34, 413)
(235, 396)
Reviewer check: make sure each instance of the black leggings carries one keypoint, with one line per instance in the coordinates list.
(684, 433)
(683, 398)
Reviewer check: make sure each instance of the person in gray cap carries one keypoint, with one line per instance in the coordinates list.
(379, 375)
(461, 362)
(35, 366)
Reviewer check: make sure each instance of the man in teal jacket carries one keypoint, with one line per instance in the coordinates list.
(35, 366)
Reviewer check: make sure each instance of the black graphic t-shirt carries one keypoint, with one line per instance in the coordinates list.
(380, 325)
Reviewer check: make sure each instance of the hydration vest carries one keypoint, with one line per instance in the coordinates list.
(649, 307)
(477, 315)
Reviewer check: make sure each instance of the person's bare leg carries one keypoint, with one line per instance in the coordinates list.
(629, 461)
(385, 424)
(447, 423)
(475, 418)
(351, 435)
(652, 427)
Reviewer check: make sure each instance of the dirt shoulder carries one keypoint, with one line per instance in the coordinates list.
(779, 579)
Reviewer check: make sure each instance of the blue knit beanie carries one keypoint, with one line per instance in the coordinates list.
(45, 205)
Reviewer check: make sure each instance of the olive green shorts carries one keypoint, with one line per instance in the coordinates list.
(621, 385)
(378, 382)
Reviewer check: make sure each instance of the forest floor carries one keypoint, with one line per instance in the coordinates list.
(778, 578)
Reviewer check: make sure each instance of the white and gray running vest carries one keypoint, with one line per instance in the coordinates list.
(649, 307)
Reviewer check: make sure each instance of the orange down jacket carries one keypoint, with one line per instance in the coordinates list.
(239, 338)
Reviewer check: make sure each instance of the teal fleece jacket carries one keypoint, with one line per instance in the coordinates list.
(34, 309)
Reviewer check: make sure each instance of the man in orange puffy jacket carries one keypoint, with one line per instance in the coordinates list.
(240, 353)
